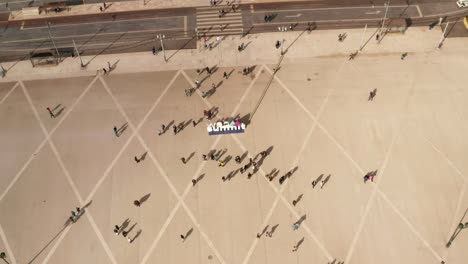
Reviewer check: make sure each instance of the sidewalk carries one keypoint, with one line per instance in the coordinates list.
(260, 50)
(115, 7)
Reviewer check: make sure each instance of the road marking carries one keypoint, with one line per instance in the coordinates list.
(185, 26)
(330, 8)
(298, 15)
(103, 22)
(419, 11)
(373, 13)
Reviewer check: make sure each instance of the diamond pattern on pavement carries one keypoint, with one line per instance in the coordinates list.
(80, 242)
(242, 214)
(172, 250)
(86, 140)
(336, 131)
(132, 181)
(41, 191)
(404, 244)
(278, 248)
(20, 137)
(138, 91)
(408, 173)
(57, 94)
(343, 190)
(169, 148)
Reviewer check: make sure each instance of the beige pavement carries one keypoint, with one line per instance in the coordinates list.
(315, 116)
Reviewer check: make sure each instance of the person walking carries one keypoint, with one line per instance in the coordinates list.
(183, 160)
(137, 203)
(372, 94)
(154, 50)
(366, 178)
(403, 56)
(194, 182)
(225, 75)
(282, 179)
(50, 113)
(295, 226)
(116, 132)
(182, 237)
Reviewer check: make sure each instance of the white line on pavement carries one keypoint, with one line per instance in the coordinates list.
(8, 94)
(20, 172)
(10, 255)
(72, 185)
(163, 173)
(370, 202)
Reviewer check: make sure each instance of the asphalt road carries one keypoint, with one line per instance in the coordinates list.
(138, 30)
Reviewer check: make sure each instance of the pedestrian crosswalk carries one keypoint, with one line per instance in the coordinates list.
(210, 23)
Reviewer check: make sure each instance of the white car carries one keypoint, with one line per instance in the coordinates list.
(462, 3)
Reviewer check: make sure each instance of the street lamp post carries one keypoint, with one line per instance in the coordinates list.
(443, 36)
(9, 10)
(161, 37)
(79, 55)
(2, 73)
(52, 39)
(385, 15)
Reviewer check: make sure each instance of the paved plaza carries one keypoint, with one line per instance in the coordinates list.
(315, 119)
